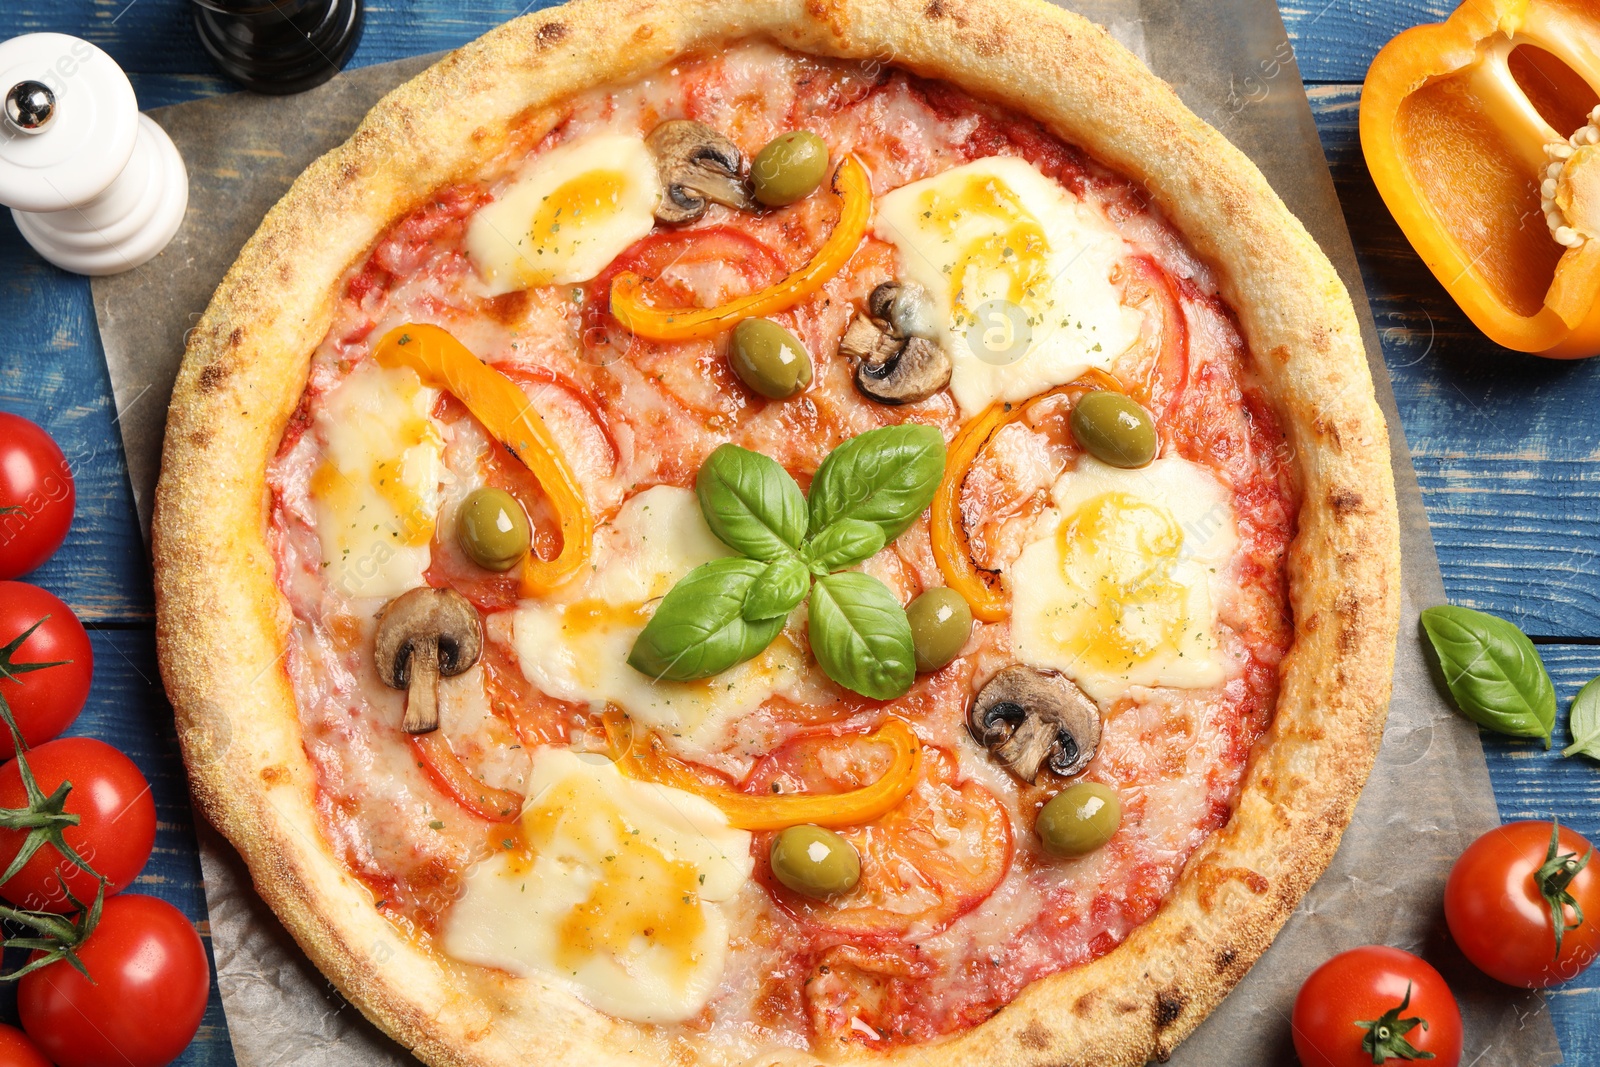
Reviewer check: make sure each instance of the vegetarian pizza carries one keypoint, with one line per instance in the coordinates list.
(773, 532)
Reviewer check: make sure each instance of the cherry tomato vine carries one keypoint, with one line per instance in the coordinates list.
(44, 819)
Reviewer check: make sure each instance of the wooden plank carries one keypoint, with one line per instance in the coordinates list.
(157, 36)
(127, 708)
(1533, 783)
(1504, 447)
(52, 371)
(1335, 40)
(159, 90)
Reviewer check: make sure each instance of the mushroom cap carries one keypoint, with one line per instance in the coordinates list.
(903, 309)
(1031, 719)
(424, 614)
(697, 166)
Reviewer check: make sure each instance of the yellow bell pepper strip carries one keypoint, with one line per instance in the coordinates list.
(949, 533)
(854, 189)
(766, 811)
(496, 401)
(1474, 131)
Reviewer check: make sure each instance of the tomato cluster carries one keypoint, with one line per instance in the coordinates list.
(112, 977)
(1522, 903)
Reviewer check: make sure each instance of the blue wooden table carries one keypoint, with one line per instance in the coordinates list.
(1507, 446)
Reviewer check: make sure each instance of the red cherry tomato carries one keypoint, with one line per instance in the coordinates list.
(151, 983)
(44, 702)
(16, 1050)
(1500, 916)
(1361, 992)
(36, 482)
(115, 832)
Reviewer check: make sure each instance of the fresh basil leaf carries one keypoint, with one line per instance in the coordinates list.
(778, 591)
(886, 476)
(751, 503)
(843, 544)
(860, 635)
(1493, 671)
(1583, 721)
(699, 627)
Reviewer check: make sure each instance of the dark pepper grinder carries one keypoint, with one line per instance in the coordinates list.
(279, 46)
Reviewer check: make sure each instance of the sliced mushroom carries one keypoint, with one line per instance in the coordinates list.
(863, 340)
(697, 166)
(425, 634)
(897, 360)
(917, 369)
(1030, 719)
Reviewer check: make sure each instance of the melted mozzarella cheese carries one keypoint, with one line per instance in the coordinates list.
(377, 489)
(576, 647)
(1122, 588)
(614, 888)
(575, 210)
(997, 230)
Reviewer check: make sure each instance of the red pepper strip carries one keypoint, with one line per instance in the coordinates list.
(853, 187)
(445, 769)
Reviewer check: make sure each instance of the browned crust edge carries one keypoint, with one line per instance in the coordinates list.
(222, 626)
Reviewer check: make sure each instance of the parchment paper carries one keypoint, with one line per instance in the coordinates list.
(1429, 794)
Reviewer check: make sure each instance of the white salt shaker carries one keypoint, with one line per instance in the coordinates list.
(95, 187)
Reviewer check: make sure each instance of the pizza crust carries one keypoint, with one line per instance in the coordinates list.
(223, 627)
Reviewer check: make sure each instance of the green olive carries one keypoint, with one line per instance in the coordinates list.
(1079, 819)
(941, 622)
(815, 862)
(769, 359)
(789, 168)
(1114, 429)
(493, 529)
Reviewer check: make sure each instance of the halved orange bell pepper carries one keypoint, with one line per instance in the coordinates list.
(505, 411)
(1468, 129)
(854, 189)
(648, 760)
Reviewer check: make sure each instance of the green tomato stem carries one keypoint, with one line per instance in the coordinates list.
(1554, 877)
(1386, 1035)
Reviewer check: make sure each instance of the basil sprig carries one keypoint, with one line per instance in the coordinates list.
(1493, 671)
(865, 494)
(1584, 722)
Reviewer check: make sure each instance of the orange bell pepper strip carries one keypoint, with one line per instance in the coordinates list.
(1468, 129)
(651, 763)
(854, 189)
(949, 534)
(496, 401)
